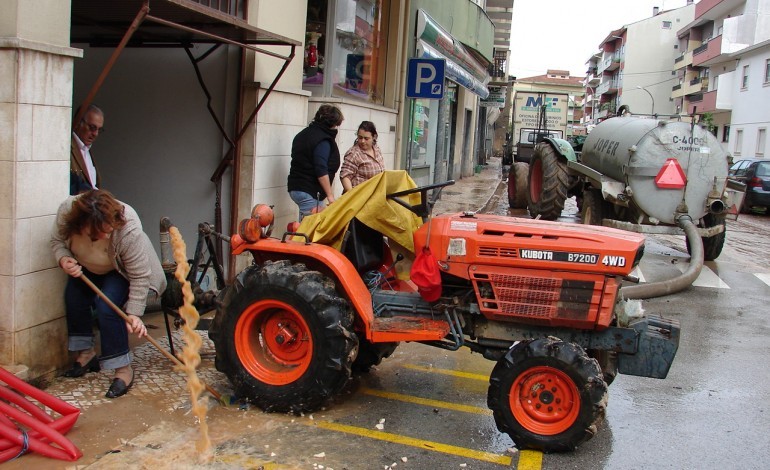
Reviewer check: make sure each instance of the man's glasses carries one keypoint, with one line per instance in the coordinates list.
(92, 127)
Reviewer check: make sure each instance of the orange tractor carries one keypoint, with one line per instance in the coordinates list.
(539, 298)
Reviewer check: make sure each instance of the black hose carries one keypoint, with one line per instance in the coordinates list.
(679, 283)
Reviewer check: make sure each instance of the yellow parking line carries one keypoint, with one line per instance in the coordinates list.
(428, 402)
(530, 460)
(248, 462)
(454, 373)
(412, 442)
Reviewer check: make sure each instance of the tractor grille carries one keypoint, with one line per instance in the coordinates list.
(498, 252)
(538, 297)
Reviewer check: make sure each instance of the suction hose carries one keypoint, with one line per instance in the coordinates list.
(671, 286)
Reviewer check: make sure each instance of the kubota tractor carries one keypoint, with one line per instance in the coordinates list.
(539, 298)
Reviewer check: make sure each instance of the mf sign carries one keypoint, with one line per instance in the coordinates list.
(425, 78)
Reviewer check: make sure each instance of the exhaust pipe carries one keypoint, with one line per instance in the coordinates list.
(166, 251)
(679, 283)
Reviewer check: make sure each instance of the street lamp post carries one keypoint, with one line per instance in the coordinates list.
(651, 98)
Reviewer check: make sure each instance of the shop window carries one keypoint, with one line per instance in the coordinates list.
(424, 128)
(315, 43)
(351, 62)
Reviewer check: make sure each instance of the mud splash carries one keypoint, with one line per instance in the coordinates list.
(190, 353)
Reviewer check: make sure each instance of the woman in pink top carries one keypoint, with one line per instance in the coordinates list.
(364, 158)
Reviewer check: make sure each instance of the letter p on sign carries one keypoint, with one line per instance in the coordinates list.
(425, 78)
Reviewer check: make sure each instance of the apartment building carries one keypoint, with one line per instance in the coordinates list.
(632, 70)
(724, 72)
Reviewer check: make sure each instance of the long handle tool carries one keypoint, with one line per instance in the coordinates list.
(123, 315)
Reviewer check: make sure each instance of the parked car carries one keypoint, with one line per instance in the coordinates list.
(755, 174)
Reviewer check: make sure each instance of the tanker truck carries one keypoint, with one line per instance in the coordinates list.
(643, 175)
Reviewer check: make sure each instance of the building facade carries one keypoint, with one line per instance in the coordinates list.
(633, 70)
(723, 49)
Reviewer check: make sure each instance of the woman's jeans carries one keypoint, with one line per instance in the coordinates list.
(79, 299)
(307, 203)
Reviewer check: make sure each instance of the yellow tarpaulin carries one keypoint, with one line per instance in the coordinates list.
(367, 202)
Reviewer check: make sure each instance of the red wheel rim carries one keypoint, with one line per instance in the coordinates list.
(273, 342)
(544, 400)
(536, 181)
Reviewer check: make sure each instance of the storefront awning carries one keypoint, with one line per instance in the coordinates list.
(434, 42)
(179, 23)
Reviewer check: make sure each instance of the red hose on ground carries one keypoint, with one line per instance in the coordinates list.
(25, 427)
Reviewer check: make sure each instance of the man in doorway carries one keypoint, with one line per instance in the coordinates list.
(83, 174)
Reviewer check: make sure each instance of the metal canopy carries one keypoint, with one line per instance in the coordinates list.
(177, 23)
(103, 23)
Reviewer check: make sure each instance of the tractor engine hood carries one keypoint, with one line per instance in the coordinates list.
(461, 240)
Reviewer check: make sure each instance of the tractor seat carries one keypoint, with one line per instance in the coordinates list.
(363, 246)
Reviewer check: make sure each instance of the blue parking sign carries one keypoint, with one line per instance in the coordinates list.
(425, 78)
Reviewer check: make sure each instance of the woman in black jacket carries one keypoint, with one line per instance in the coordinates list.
(315, 159)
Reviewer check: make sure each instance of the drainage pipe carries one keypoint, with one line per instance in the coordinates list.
(671, 286)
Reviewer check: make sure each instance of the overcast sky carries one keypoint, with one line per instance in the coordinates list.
(563, 34)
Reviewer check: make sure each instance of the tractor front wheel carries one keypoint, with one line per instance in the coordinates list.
(548, 183)
(286, 342)
(547, 395)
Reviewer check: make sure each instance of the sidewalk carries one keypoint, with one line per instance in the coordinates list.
(473, 193)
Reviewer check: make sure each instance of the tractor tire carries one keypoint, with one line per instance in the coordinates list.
(547, 395)
(712, 246)
(548, 183)
(517, 185)
(371, 354)
(592, 207)
(286, 341)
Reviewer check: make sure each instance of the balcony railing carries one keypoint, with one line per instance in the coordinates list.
(700, 49)
(605, 64)
(707, 102)
(712, 50)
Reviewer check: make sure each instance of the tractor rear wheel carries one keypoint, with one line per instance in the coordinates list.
(547, 395)
(548, 183)
(517, 185)
(286, 342)
(712, 246)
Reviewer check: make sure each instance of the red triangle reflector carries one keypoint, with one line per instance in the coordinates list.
(671, 175)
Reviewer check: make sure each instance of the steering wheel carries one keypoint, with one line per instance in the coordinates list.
(425, 207)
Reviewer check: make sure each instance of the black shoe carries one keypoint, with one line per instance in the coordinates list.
(79, 371)
(119, 388)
